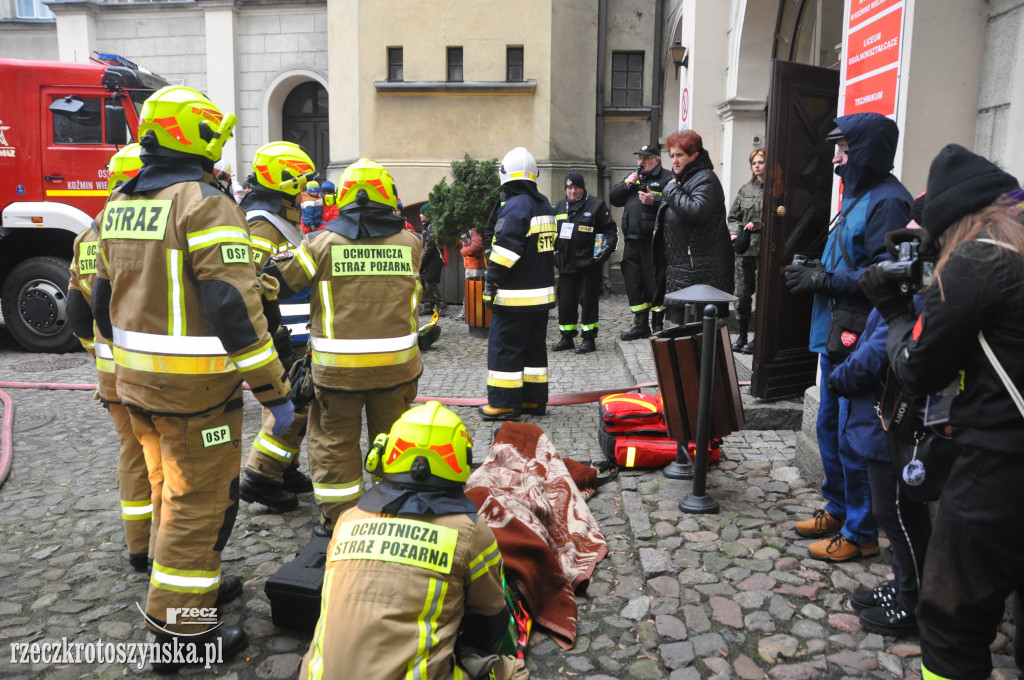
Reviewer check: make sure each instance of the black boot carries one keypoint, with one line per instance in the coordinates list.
(748, 348)
(255, 488)
(639, 329)
(232, 640)
(297, 481)
(742, 339)
(587, 346)
(657, 322)
(564, 343)
(139, 561)
(230, 589)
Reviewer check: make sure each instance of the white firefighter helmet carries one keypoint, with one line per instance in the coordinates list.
(518, 164)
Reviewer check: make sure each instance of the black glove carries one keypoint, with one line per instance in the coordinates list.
(301, 377)
(809, 277)
(834, 388)
(283, 345)
(602, 255)
(490, 291)
(885, 295)
(894, 238)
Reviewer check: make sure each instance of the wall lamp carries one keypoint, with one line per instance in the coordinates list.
(680, 55)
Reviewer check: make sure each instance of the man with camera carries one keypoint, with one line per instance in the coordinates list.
(639, 195)
(874, 203)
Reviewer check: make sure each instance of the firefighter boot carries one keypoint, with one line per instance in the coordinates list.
(639, 329)
(228, 640)
(230, 589)
(255, 488)
(741, 341)
(139, 561)
(489, 412)
(564, 343)
(297, 481)
(657, 322)
(587, 346)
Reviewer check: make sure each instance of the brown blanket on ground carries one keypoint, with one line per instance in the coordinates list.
(535, 502)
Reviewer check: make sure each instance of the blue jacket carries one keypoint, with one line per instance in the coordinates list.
(861, 376)
(522, 257)
(874, 203)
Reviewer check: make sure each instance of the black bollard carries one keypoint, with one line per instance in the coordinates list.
(698, 502)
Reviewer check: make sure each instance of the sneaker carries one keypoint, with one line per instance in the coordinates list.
(889, 619)
(820, 524)
(840, 549)
(865, 598)
(564, 343)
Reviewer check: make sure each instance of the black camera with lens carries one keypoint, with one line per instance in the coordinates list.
(908, 270)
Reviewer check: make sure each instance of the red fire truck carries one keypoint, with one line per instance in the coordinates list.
(59, 125)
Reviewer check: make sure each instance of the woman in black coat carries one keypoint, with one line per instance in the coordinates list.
(691, 239)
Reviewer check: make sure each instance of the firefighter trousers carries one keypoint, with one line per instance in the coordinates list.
(579, 292)
(132, 484)
(335, 427)
(517, 358)
(638, 274)
(270, 456)
(193, 466)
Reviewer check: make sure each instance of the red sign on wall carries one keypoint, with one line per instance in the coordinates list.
(865, 10)
(875, 45)
(876, 93)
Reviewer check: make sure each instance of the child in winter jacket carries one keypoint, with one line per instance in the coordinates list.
(312, 205)
(330, 201)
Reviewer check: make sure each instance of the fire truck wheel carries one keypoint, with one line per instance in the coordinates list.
(35, 309)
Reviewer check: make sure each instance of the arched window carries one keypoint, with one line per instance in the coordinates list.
(810, 32)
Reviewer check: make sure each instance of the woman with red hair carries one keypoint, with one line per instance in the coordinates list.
(691, 239)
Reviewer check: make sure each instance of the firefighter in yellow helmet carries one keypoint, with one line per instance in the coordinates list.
(280, 170)
(362, 269)
(132, 477)
(413, 580)
(176, 293)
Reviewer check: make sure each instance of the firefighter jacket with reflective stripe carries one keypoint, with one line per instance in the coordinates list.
(363, 296)
(396, 589)
(182, 300)
(522, 255)
(579, 224)
(83, 272)
(267, 239)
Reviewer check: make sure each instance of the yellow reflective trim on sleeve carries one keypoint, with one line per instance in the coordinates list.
(364, 360)
(177, 365)
(305, 260)
(175, 293)
(263, 244)
(402, 541)
(217, 235)
(327, 309)
(483, 562)
(503, 256)
(316, 663)
(138, 219)
(257, 358)
(427, 625)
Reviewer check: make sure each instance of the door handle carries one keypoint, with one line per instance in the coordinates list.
(781, 211)
(54, 178)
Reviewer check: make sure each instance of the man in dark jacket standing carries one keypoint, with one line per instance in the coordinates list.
(874, 203)
(430, 267)
(587, 236)
(640, 195)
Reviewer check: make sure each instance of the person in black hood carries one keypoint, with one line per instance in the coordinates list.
(691, 238)
(874, 203)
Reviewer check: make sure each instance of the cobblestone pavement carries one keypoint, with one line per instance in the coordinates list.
(732, 595)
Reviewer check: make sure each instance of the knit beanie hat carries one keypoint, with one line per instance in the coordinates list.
(961, 182)
(575, 179)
